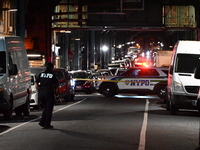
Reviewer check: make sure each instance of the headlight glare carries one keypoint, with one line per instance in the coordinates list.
(178, 87)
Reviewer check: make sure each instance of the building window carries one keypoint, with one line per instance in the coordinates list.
(69, 16)
(179, 16)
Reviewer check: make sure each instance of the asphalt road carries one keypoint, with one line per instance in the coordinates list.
(94, 122)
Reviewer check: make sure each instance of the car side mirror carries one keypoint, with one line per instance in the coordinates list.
(197, 73)
(171, 69)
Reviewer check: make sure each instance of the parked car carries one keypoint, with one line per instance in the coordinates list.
(104, 72)
(34, 102)
(138, 80)
(15, 79)
(83, 81)
(65, 84)
(34, 96)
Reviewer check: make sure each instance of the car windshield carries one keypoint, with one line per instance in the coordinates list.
(59, 74)
(79, 75)
(2, 62)
(186, 63)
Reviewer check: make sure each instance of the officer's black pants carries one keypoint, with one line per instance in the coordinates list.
(47, 101)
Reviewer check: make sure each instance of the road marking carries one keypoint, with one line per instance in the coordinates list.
(13, 128)
(68, 106)
(144, 127)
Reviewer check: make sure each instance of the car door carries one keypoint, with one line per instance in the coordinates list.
(138, 79)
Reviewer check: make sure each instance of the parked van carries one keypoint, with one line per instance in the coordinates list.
(182, 87)
(15, 81)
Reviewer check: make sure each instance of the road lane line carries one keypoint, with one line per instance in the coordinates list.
(15, 127)
(69, 106)
(144, 127)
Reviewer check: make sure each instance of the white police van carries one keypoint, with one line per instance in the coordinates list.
(15, 80)
(182, 88)
(138, 80)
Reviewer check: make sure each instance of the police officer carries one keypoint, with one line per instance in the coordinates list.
(47, 84)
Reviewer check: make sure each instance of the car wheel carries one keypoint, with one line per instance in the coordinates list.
(108, 89)
(26, 107)
(173, 109)
(7, 114)
(160, 91)
(67, 97)
(167, 101)
(167, 105)
(18, 111)
(198, 106)
(72, 97)
(165, 96)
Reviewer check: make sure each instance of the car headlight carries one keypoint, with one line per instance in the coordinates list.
(178, 87)
(72, 82)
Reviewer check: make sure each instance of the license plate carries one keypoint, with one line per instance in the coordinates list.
(78, 87)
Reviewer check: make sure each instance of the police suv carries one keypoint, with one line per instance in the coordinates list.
(138, 80)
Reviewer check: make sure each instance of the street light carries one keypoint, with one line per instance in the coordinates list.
(104, 48)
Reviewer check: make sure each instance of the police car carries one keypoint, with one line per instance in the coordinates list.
(138, 80)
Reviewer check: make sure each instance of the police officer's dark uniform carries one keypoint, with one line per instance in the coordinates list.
(47, 83)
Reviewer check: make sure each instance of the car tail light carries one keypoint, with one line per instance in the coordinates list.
(87, 84)
(145, 64)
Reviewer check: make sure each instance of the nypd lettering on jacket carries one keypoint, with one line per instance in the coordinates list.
(46, 75)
